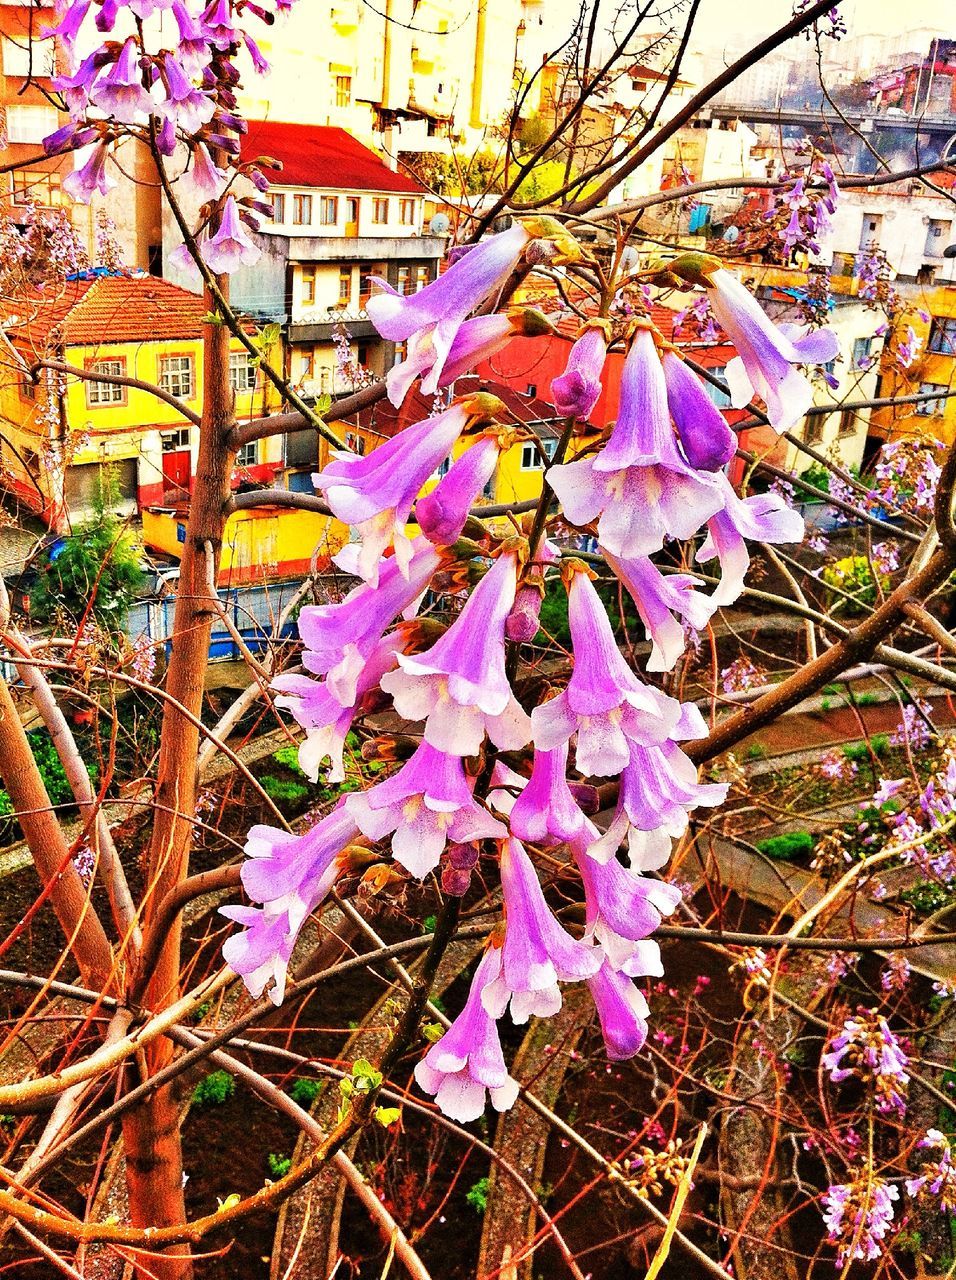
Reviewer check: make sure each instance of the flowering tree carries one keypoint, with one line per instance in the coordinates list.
(539, 806)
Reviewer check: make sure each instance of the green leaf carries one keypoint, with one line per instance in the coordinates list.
(433, 1031)
(386, 1116)
(212, 317)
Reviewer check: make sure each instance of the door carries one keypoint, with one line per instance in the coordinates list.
(351, 215)
(176, 465)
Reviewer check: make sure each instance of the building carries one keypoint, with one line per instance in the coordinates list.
(340, 217)
(931, 313)
(61, 431)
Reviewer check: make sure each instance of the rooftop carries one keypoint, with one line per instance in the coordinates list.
(315, 155)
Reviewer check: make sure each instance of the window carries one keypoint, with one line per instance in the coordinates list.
(531, 456)
(173, 441)
(306, 364)
(639, 86)
(301, 210)
(242, 372)
(248, 455)
(421, 278)
(942, 336)
(716, 395)
(28, 388)
(308, 285)
(345, 285)
(355, 442)
(406, 212)
(106, 392)
(862, 353)
(343, 91)
(531, 389)
(405, 280)
(379, 210)
(932, 408)
(30, 124)
(813, 428)
(20, 60)
(278, 206)
(32, 186)
(176, 376)
(847, 423)
(328, 210)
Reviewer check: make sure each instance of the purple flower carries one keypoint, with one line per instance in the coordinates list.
(765, 517)
(858, 1215)
(546, 812)
(325, 720)
(193, 49)
(658, 599)
(290, 875)
(427, 804)
(376, 492)
(459, 686)
(230, 247)
(623, 908)
(604, 702)
(340, 638)
(442, 305)
(537, 952)
(441, 514)
(576, 391)
(888, 788)
(622, 1010)
(706, 439)
(639, 486)
(68, 28)
(867, 1049)
(218, 25)
(119, 92)
(207, 181)
(83, 183)
(937, 1179)
(476, 340)
(467, 1061)
(185, 105)
(766, 354)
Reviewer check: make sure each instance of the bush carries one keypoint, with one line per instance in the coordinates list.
(854, 576)
(288, 757)
(477, 1196)
(279, 789)
(214, 1090)
(878, 745)
(783, 848)
(279, 1166)
(304, 1091)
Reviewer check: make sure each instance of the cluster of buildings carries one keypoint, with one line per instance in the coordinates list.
(346, 125)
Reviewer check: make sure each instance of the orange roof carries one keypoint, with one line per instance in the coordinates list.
(105, 309)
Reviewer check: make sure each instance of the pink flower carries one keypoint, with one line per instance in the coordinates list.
(706, 439)
(290, 875)
(230, 247)
(575, 392)
(537, 952)
(604, 702)
(119, 92)
(218, 26)
(765, 517)
(467, 1062)
(546, 812)
(459, 686)
(185, 105)
(376, 492)
(83, 183)
(658, 599)
(622, 1010)
(441, 514)
(340, 638)
(425, 805)
(207, 181)
(638, 487)
(766, 354)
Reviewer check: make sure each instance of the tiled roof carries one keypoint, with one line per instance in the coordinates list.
(385, 420)
(315, 155)
(102, 309)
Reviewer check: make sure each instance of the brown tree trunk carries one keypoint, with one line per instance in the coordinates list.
(151, 1132)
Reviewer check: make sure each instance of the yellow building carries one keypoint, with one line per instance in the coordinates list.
(932, 318)
(61, 428)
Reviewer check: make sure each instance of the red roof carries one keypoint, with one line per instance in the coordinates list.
(105, 309)
(315, 155)
(385, 420)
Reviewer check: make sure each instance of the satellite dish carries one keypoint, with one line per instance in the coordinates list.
(629, 260)
(731, 234)
(440, 224)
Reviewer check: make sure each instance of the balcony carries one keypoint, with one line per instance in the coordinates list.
(364, 248)
(315, 324)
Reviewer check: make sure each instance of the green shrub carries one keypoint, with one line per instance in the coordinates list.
(305, 1090)
(279, 1166)
(213, 1090)
(289, 758)
(783, 848)
(867, 699)
(879, 744)
(477, 1196)
(287, 789)
(756, 751)
(927, 897)
(854, 576)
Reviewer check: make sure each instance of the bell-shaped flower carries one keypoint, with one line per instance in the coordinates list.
(193, 48)
(119, 92)
(425, 805)
(230, 248)
(289, 875)
(218, 24)
(467, 1063)
(575, 392)
(76, 87)
(622, 1011)
(68, 28)
(764, 517)
(325, 720)
(705, 438)
(339, 638)
(442, 305)
(659, 790)
(604, 703)
(376, 492)
(477, 339)
(459, 686)
(766, 353)
(207, 181)
(185, 105)
(83, 183)
(441, 514)
(546, 810)
(664, 603)
(639, 487)
(537, 952)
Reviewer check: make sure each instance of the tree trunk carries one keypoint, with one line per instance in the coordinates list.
(151, 1132)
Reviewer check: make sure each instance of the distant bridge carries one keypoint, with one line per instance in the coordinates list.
(868, 122)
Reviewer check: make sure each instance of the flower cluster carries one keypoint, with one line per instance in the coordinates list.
(866, 1049)
(937, 1177)
(858, 1215)
(907, 474)
(657, 476)
(804, 206)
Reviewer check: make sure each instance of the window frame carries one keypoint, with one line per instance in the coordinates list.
(98, 393)
(164, 371)
(247, 368)
(278, 207)
(247, 454)
(302, 205)
(942, 336)
(932, 408)
(175, 440)
(345, 280)
(406, 205)
(343, 91)
(310, 276)
(532, 449)
(328, 203)
(380, 204)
